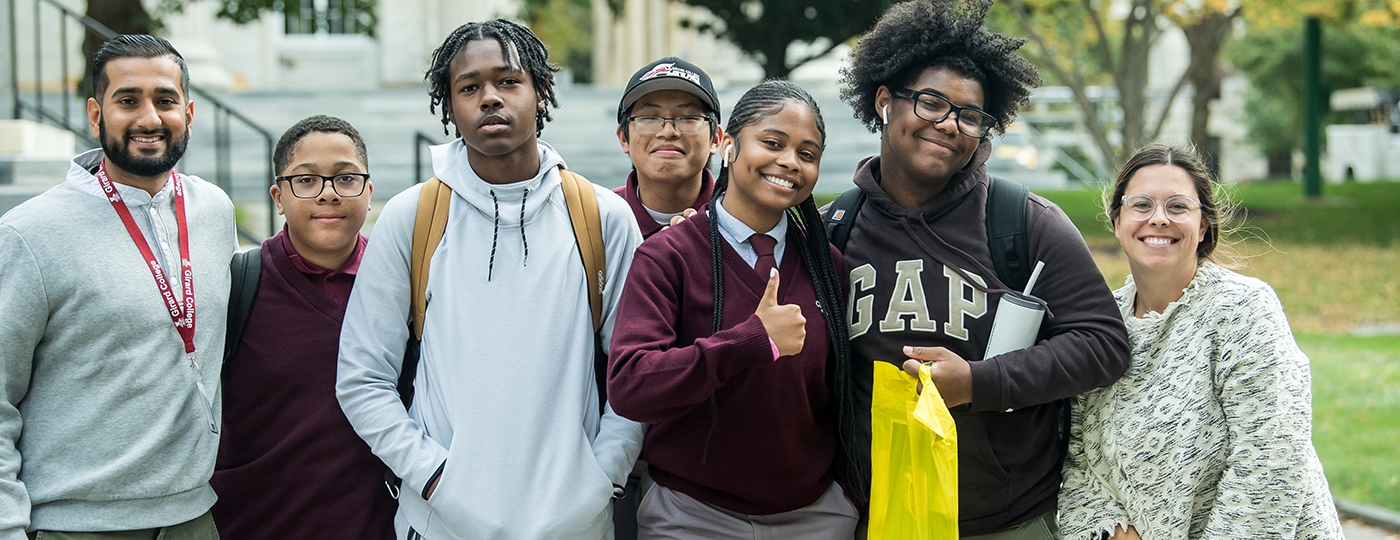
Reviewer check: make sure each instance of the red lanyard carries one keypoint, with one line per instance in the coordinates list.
(181, 313)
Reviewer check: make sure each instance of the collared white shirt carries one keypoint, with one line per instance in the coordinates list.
(737, 234)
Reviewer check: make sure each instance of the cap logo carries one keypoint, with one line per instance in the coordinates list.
(670, 70)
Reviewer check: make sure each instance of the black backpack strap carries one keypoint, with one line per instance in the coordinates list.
(842, 216)
(1006, 232)
(1006, 236)
(245, 269)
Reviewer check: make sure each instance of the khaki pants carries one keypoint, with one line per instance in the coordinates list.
(1042, 528)
(200, 528)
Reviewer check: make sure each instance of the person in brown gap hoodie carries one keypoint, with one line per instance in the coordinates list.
(933, 82)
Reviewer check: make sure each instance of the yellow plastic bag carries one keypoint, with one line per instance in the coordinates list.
(913, 460)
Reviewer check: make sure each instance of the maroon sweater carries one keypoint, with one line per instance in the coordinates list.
(290, 465)
(774, 443)
(649, 226)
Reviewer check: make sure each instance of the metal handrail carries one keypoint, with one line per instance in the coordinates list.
(418, 139)
(223, 112)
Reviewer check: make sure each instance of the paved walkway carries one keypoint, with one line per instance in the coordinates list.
(1356, 530)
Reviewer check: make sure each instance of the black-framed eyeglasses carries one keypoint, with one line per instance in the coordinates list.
(934, 107)
(651, 125)
(310, 186)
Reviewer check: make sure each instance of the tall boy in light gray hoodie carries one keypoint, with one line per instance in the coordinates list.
(504, 439)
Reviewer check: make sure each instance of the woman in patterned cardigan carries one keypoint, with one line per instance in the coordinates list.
(1209, 433)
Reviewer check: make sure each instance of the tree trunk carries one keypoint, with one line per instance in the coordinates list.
(1206, 37)
(123, 17)
(1076, 85)
(775, 61)
(1139, 32)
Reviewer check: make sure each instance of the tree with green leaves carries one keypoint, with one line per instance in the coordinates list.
(1360, 42)
(1105, 49)
(763, 29)
(131, 17)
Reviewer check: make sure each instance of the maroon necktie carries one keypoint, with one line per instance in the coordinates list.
(763, 245)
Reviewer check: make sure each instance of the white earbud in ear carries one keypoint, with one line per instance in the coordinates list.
(885, 114)
(724, 158)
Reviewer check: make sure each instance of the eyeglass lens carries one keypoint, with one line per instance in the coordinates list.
(1178, 208)
(309, 186)
(934, 108)
(650, 125)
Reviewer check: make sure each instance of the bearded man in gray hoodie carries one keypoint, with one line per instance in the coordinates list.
(115, 290)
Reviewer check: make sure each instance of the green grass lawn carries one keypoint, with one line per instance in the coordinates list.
(1356, 414)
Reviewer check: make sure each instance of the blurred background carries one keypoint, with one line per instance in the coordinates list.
(1293, 102)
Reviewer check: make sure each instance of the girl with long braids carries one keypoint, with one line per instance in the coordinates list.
(739, 363)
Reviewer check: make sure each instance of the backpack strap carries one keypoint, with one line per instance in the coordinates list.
(842, 216)
(428, 227)
(588, 232)
(1006, 232)
(245, 270)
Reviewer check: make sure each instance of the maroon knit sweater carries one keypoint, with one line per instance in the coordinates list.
(290, 465)
(649, 226)
(774, 441)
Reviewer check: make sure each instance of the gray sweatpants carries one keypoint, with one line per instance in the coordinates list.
(665, 514)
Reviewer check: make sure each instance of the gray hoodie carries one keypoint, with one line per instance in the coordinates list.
(92, 370)
(505, 398)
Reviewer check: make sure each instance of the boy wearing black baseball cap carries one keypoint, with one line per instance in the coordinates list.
(668, 123)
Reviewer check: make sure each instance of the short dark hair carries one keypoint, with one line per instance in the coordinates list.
(282, 156)
(135, 46)
(519, 45)
(921, 34)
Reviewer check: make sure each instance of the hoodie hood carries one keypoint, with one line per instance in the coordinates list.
(508, 206)
(451, 166)
(959, 187)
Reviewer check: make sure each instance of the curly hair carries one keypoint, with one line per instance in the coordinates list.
(522, 50)
(920, 34)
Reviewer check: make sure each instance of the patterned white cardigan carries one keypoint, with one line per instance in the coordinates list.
(1209, 433)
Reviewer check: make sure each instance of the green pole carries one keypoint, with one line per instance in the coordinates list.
(1312, 107)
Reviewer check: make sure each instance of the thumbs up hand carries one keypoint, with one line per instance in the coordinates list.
(784, 323)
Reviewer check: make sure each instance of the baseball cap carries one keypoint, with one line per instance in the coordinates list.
(670, 73)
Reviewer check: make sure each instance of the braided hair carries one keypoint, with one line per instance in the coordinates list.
(522, 50)
(762, 101)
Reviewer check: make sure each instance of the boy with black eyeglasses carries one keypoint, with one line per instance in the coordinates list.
(289, 463)
(668, 124)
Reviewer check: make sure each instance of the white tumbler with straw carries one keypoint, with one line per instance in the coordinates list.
(1017, 321)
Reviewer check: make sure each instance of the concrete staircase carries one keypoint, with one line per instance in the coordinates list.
(33, 158)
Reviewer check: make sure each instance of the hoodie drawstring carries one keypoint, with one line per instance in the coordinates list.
(496, 207)
(525, 260)
(496, 230)
(966, 278)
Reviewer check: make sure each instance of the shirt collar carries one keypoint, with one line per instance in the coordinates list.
(80, 177)
(351, 266)
(741, 232)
